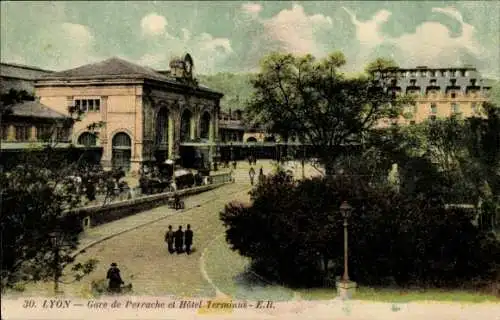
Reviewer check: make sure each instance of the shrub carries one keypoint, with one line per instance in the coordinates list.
(292, 230)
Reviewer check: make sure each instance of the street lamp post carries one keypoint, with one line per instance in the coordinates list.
(55, 239)
(345, 287)
(345, 209)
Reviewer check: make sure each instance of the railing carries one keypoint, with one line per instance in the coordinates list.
(220, 178)
(100, 214)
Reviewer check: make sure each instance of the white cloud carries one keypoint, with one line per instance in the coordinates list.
(208, 51)
(68, 45)
(296, 30)
(368, 32)
(153, 24)
(251, 8)
(430, 44)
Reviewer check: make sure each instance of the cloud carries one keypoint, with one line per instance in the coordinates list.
(209, 52)
(67, 45)
(251, 8)
(368, 32)
(430, 44)
(293, 29)
(153, 24)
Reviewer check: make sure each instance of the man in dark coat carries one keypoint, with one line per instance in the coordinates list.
(115, 280)
(251, 173)
(169, 239)
(179, 240)
(188, 239)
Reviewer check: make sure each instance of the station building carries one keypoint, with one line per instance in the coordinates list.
(147, 115)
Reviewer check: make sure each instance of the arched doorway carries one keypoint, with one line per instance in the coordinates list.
(186, 125)
(87, 139)
(122, 151)
(251, 139)
(205, 126)
(161, 128)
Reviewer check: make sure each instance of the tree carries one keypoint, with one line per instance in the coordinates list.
(291, 226)
(37, 197)
(313, 100)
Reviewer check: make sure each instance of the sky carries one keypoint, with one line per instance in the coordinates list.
(232, 36)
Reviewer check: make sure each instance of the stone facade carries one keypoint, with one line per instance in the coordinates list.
(438, 92)
(143, 111)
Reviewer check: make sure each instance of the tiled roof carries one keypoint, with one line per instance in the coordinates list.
(36, 110)
(20, 71)
(113, 68)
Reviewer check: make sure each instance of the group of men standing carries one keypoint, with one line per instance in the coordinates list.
(179, 241)
(251, 174)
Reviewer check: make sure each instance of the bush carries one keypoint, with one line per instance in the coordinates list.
(293, 229)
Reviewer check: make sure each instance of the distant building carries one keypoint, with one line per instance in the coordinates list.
(149, 116)
(19, 77)
(438, 92)
(30, 124)
(231, 128)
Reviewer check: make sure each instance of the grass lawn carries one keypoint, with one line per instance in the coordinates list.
(399, 295)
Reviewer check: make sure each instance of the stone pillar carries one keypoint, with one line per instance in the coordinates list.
(104, 140)
(33, 134)
(137, 139)
(170, 133)
(177, 133)
(192, 127)
(211, 139)
(11, 133)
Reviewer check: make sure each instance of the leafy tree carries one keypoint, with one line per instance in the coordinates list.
(290, 227)
(37, 197)
(313, 100)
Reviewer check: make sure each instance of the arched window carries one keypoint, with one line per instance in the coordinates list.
(87, 139)
(162, 127)
(186, 125)
(122, 151)
(251, 139)
(205, 126)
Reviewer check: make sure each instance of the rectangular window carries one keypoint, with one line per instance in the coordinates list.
(43, 132)
(474, 108)
(62, 134)
(88, 105)
(412, 122)
(455, 108)
(453, 95)
(22, 133)
(433, 108)
(5, 132)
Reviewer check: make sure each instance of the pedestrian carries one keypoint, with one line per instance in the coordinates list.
(115, 280)
(261, 175)
(249, 160)
(169, 239)
(251, 173)
(179, 240)
(188, 238)
(177, 201)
